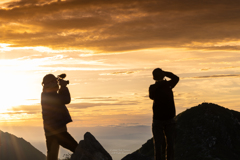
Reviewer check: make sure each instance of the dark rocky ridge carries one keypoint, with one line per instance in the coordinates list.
(204, 132)
(14, 148)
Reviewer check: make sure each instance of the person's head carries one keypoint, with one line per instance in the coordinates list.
(50, 83)
(158, 74)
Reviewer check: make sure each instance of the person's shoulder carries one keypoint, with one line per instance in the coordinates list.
(43, 93)
(152, 85)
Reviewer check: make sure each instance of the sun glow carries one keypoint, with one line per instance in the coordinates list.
(15, 91)
(17, 84)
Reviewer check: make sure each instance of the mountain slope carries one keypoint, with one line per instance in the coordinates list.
(207, 131)
(14, 148)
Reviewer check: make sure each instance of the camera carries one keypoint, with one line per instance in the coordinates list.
(61, 77)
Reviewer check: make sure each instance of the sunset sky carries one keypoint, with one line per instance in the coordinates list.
(108, 49)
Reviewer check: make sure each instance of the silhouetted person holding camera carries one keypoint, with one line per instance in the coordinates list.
(55, 115)
(163, 126)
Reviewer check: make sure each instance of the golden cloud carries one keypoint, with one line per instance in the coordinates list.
(121, 25)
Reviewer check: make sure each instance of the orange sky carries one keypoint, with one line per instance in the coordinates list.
(108, 50)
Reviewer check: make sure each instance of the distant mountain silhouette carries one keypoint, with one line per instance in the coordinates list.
(14, 148)
(205, 132)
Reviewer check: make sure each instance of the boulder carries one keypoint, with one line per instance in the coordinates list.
(205, 132)
(90, 149)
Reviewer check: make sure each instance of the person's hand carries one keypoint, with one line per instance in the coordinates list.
(63, 83)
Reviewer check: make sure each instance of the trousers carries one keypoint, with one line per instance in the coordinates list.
(63, 139)
(163, 139)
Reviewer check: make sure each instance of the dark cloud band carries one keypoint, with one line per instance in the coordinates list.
(112, 26)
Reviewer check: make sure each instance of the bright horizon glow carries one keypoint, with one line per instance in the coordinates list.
(106, 86)
(43, 49)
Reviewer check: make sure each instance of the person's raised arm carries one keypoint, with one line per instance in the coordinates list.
(64, 93)
(174, 79)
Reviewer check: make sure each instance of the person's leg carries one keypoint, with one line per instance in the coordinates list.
(67, 141)
(52, 148)
(170, 136)
(164, 146)
(158, 141)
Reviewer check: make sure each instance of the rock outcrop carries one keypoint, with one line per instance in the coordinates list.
(90, 149)
(14, 148)
(204, 132)
(144, 153)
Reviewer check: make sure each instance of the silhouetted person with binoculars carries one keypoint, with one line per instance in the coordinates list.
(163, 126)
(56, 115)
